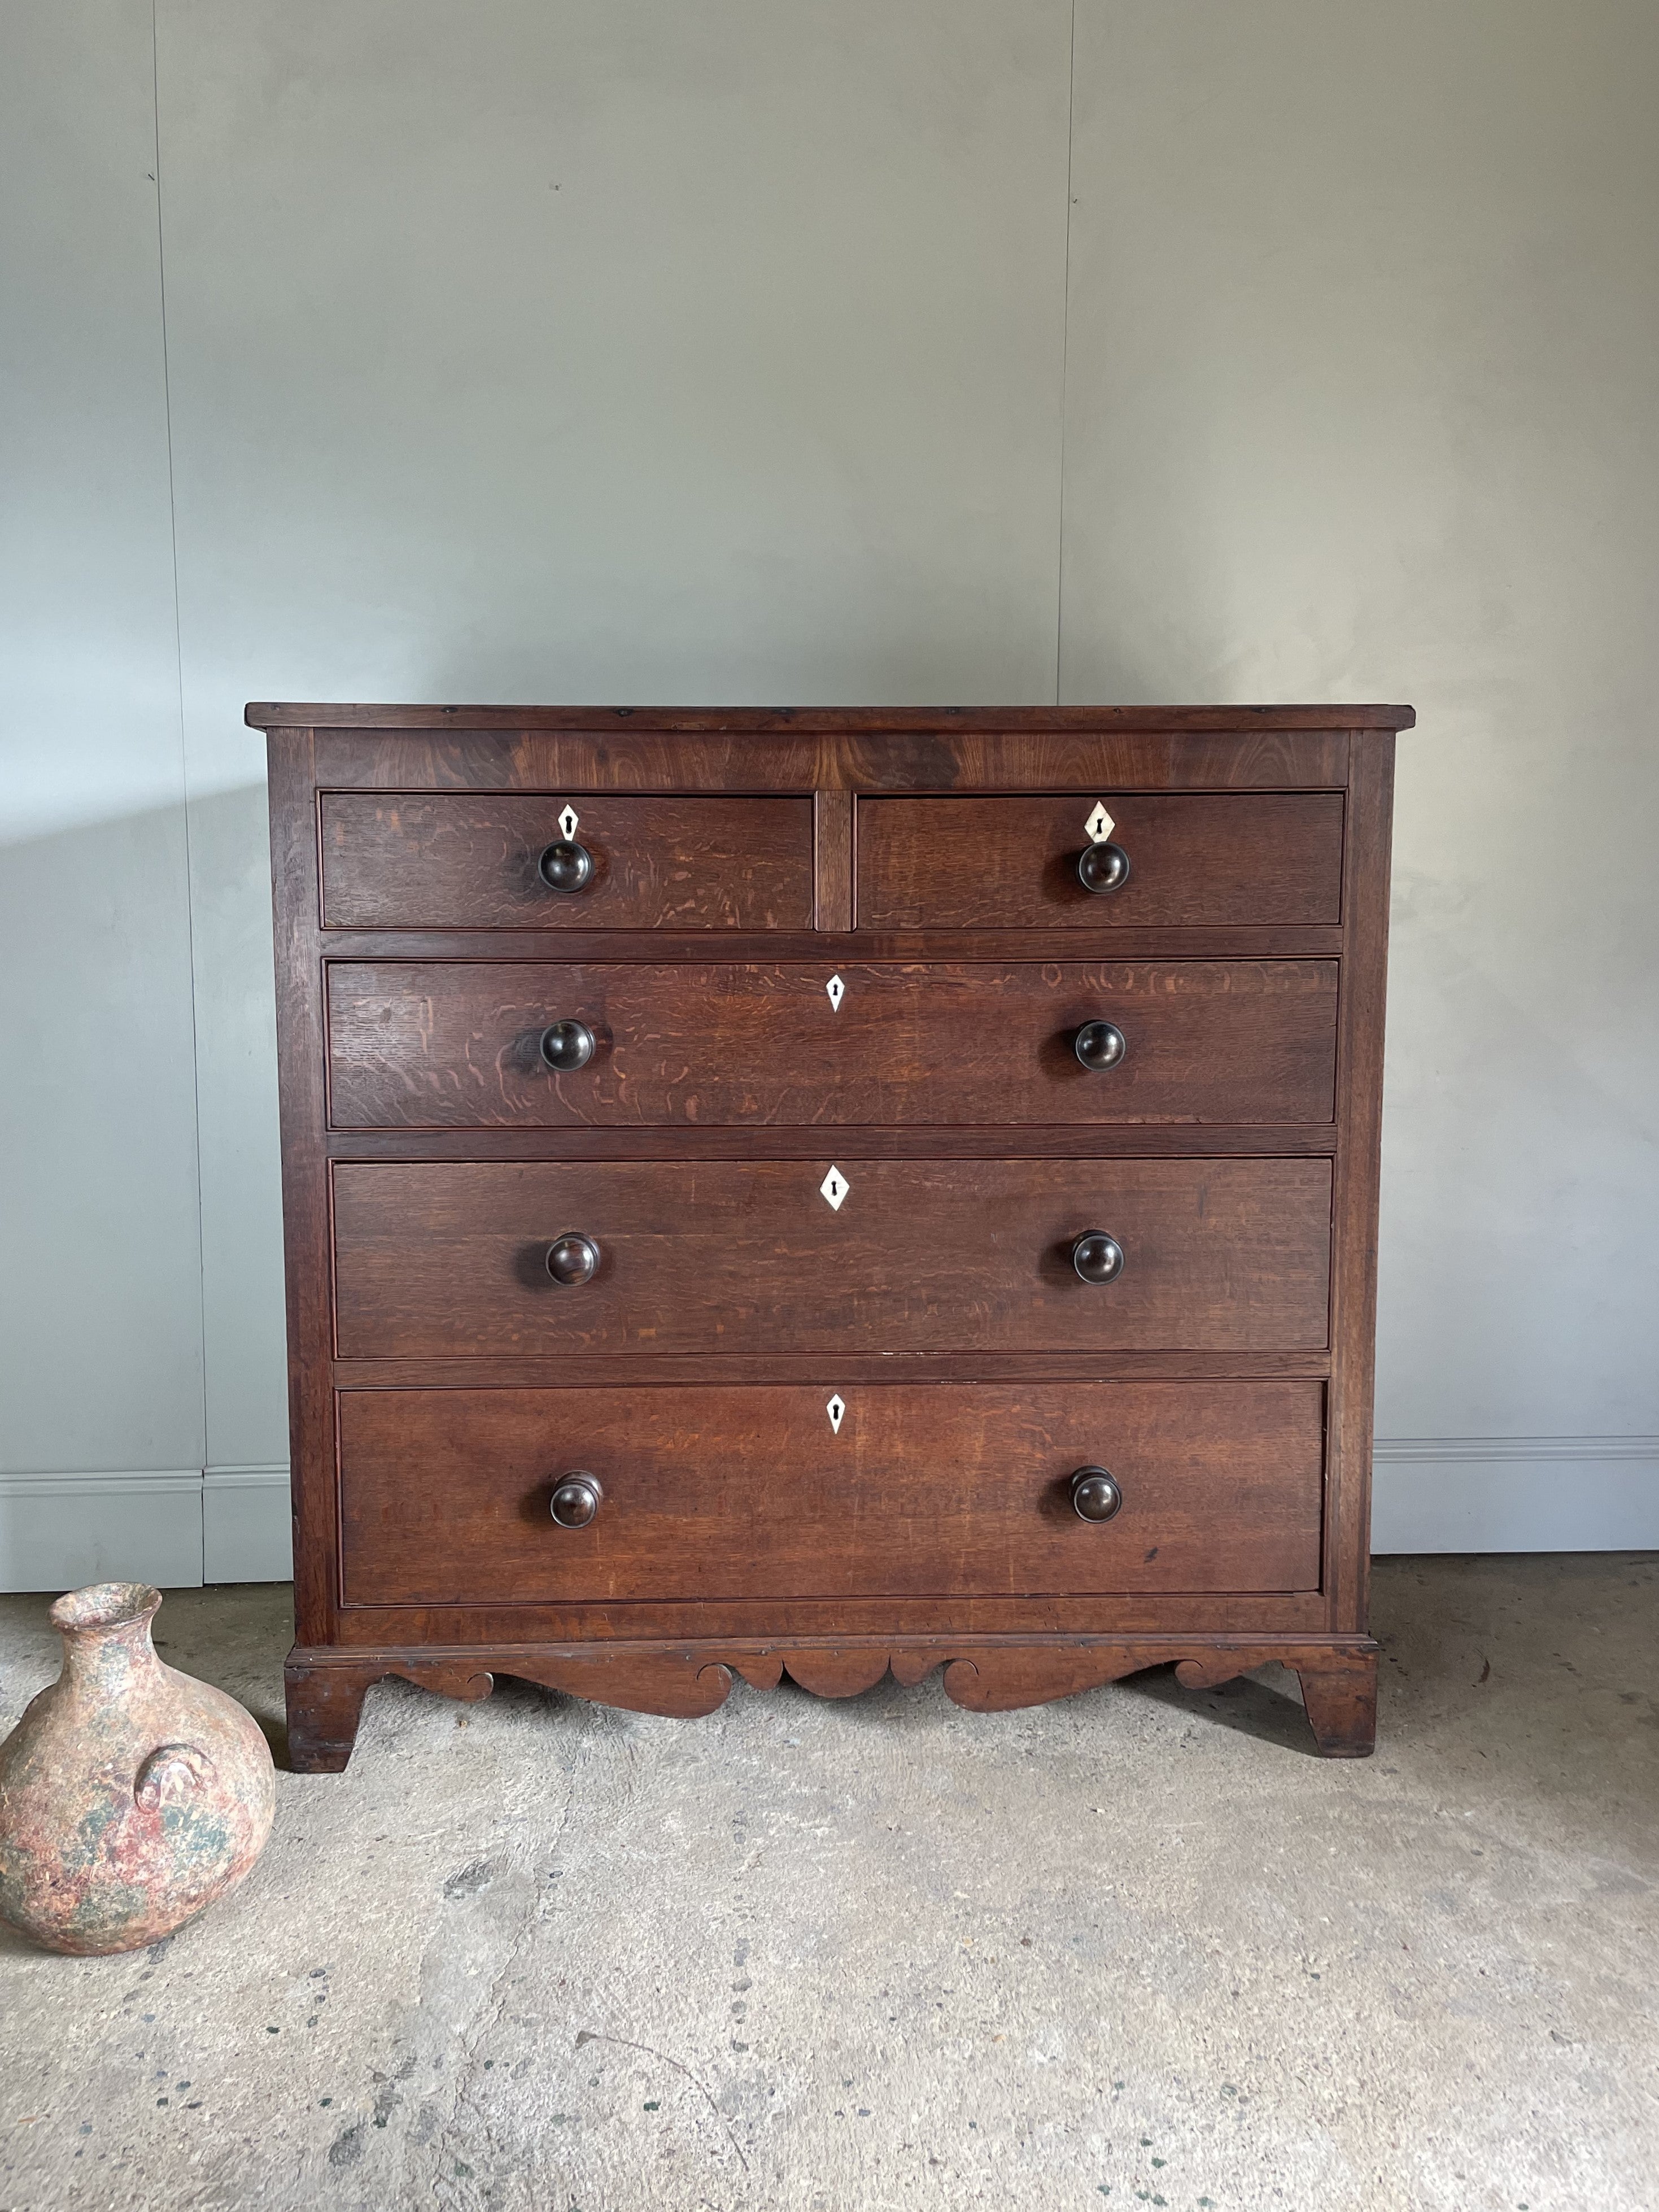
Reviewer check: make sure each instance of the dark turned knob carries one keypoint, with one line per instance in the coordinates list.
(567, 1045)
(1096, 1257)
(1095, 1496)
(1100, 1045)
(567, 866)
(572, 1258)
(576, 1498)
(1103, 867)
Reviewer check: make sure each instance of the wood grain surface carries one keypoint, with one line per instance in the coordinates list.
(435, 1045)
(1068, 750)
(723, 1494)
(1358, 1165)
(828, 1619)
(1195, 860)
(638, 724)
(713, 1257)
(687, 1678)
(302, 1089)
(437, 862)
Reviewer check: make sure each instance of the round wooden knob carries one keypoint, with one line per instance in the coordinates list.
(1096, 1257)
(1099, 1045)
(1095, 1495)
(572, 1258)
(566, 1045)
(576, 1499)
(1103, 868)
(567, 866)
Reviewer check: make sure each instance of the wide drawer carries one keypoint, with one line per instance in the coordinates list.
(1197, 860)
(914, 1490)
(403, 861)
(458, 1045)
(810, 1255)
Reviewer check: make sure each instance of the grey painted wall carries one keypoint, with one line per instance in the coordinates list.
(100, 1304)
(744, 352)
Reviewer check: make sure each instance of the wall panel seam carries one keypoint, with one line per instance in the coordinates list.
(178, 677)
(1064, 340)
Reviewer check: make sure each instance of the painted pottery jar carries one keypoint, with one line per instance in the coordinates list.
(130, 1796)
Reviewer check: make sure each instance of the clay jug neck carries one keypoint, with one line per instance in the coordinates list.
(105, 1632)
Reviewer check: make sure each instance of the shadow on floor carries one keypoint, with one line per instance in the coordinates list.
(1246, 1705)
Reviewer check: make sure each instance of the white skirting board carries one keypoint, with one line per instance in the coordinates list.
(180, 1527)
(1515, 1494)
(177, 1528)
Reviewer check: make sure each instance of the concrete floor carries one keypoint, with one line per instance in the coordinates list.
(1139, 1947)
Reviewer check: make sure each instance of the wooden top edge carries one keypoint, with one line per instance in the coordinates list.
(763, 721)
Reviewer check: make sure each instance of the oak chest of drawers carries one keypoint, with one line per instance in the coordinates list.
(827, 1192)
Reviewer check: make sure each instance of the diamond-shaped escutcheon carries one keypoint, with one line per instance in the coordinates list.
(835, 1186)
(1100, 825)
(567, 824)
(835, 1410)
(837, 991)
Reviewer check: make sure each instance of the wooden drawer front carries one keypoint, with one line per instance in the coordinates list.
(1205, 860)
(457, 1045)
(717, 1256)
(419, 861)
(926, 1490)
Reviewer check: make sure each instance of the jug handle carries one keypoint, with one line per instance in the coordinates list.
(170, 1770)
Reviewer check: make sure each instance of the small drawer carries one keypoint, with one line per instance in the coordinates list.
(908, 1490)
(421, 860)
(1191, 861)
(528, 1045)
(657, 1257)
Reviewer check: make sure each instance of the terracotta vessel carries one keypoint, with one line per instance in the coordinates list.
(130, 1796)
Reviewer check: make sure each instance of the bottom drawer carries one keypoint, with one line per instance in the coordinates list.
(890, 1490)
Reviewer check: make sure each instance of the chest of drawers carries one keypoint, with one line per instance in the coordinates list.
(828, 1192)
